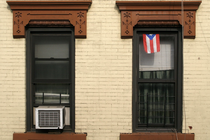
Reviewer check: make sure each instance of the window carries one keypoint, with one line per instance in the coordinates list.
(157, 81)
(50, 71)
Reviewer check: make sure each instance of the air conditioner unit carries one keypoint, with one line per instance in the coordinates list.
(50, 117)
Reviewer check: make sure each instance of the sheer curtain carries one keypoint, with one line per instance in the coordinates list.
(163, 60)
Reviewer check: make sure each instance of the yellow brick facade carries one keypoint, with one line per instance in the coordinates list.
(103, 76)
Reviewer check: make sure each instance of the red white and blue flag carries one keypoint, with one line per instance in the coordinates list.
(151, 43)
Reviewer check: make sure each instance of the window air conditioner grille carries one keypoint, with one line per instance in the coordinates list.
(49, 118)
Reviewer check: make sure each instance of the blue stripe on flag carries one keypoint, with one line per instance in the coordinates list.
(151, 36)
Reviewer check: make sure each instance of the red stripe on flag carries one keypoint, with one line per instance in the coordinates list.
(158, 42)
(151, 46)
(145, 42)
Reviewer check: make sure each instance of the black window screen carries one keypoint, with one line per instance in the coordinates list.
(51, 68)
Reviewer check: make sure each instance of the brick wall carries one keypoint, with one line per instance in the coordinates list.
(197, 77)
(103, 74)
(12, 77)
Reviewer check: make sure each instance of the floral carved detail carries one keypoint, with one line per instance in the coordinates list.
(127, 15)
(127, 23)
(189, 22)
(80, 15)
(18, 14)
(190, 15)
(18, 23)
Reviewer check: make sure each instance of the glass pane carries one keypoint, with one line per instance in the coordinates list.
(156, 103)
(65, 98)
(51, 46)
(51, 69)
(167, 74)
(142, 120)
(52, 94)
(159, 65)
(170, 117)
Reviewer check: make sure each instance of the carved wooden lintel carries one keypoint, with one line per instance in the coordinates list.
(39, 12)
(158, 13)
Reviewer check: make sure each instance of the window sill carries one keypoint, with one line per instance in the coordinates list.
(157, 136)
(41, 136)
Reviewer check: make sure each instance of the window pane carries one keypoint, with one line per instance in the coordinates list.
(159, 65)
(163, 74)
(52, 94)
(51, 69)
(156, 103)
(51, 46)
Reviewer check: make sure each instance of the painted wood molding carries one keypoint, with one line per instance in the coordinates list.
(25, 12)
(48, 136)
(158, 13)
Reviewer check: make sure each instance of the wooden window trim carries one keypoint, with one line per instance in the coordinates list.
(75, 12)
(49, 136)
(157, 13)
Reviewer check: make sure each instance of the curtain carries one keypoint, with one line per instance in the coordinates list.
(156, 103)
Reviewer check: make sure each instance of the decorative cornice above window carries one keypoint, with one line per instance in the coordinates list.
(48, 13)
(158, 13)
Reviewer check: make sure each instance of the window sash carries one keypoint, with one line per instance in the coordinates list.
(50, 69)
(53, 94)
(31, 81)
(177, 80)
(156, 101)
(163, 60)
(167, 76)
(52, 46)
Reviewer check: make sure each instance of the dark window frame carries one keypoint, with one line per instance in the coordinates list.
(178, 79)
(30, 74)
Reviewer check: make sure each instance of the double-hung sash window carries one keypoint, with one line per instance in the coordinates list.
(157, 81)
(51, 68)
(50, 71)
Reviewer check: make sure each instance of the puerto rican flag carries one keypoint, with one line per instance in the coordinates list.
(151, 43)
